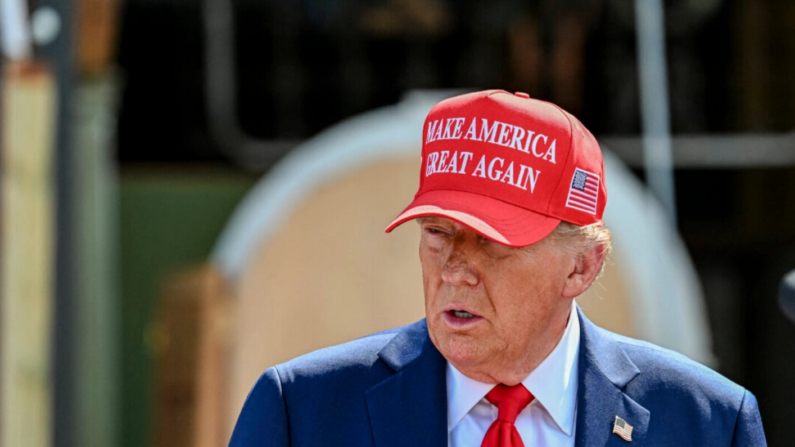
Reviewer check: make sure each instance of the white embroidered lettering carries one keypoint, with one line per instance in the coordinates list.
(495, 174)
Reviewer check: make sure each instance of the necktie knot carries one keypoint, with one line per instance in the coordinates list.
(509, 400)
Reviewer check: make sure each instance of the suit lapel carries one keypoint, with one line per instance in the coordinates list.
(604, 371)
(410, 407)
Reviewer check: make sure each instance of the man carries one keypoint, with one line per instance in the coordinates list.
(510, 205)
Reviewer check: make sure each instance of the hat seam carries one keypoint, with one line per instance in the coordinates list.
(568, 156)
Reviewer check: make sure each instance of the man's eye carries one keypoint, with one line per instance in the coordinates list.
(437, 231)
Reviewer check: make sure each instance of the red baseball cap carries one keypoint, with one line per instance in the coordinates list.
(507, 166)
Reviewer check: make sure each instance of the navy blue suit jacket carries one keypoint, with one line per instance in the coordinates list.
(389, 390)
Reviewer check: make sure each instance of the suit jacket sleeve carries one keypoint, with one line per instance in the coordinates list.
(263, 420)
(748, 432)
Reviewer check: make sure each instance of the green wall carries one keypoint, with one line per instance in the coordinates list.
(170, 219)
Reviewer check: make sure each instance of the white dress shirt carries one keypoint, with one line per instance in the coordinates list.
(548, 421)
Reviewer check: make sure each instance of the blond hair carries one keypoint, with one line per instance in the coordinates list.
(579, 239)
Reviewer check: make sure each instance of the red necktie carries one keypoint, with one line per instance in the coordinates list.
(510, 401)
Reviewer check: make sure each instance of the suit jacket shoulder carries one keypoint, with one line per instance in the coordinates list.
(674, 370)
(354, 394)
(672, 399)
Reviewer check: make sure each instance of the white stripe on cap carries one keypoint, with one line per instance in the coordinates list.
(466, 219)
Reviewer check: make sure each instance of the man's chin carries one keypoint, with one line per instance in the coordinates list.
(462, 350)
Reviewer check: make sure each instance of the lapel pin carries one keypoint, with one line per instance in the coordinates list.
(621, 428)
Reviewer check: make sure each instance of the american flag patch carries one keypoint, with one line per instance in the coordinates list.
(584, 191)
(621, 428)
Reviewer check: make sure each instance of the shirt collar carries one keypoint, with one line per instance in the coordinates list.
(553, 383)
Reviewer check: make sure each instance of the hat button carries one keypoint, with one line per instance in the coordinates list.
(522, 95)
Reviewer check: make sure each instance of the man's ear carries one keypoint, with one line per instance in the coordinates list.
(586, 267)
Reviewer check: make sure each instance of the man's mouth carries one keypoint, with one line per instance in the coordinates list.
(461, 314)
(459, 319)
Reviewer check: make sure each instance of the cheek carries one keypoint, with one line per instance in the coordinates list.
(431, 273)
(427, 264)
(432, 258)
(525, 295)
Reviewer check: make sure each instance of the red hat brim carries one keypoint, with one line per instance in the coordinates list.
(494, 219)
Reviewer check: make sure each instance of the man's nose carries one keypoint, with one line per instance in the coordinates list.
(460, 268)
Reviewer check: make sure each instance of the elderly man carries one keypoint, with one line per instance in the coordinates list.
(509, 207)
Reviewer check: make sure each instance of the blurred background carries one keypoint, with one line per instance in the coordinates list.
(194, 190)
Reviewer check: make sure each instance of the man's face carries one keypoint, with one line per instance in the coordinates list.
(492, 309)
